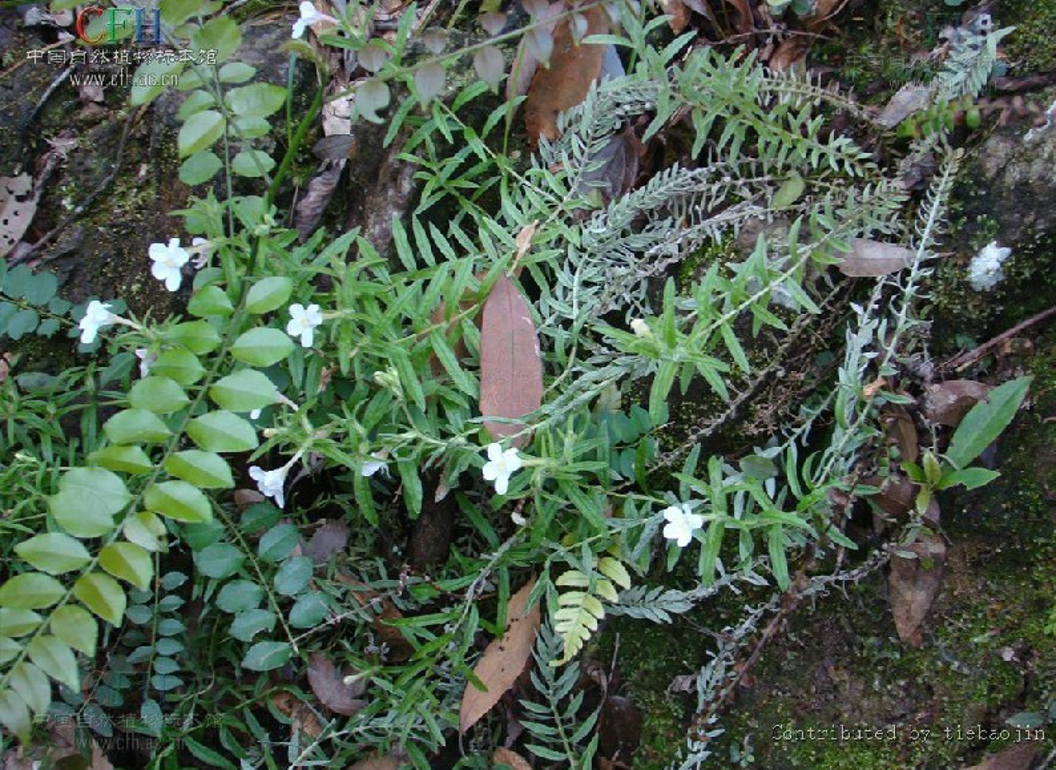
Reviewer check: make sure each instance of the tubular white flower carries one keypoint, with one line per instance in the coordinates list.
(681, 524)
(168, 259)
(370, 467)
(303, 322)
(500, 466)
(146, 358)
(984, 271)
(96, 316)
(309, 16)
(270, 483)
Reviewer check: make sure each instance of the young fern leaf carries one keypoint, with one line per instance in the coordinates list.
(578, 613)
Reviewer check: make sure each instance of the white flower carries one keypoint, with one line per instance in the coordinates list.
(167, 262)
(681, 524)
(303, 322)
(641, 328)
(518, 519)
(204, 249)
(255, 414)
(270, 483)
(146, 358)
(309, 16)
(370, 467)
(501, 466)
(984, 271)
(96, 316)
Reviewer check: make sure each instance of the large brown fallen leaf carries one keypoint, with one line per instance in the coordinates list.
(946, 403)
(564, 84)
(913, 585)
(872, 259)
(328, 683)
(18, 206)
(511, 368)
(1017, 756)
(503, 660)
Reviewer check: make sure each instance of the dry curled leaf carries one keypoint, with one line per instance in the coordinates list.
(399, 649)
(902, 432)
(913, 584)
(511, 368)
(679, 13)
(312, 206)
(328, 683)
(18, 206)
(1016, 756)
(504, 757)
(872, 259)
(503, 660)
(301, 716)
(565, 83)
(378, 762)
(619, 729)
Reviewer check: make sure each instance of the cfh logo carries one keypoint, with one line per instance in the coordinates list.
(141, 24)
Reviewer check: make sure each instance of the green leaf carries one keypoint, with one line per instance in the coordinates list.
(129, 562)
(97, 488)
(248, 624)
(986, 420)
(196, 101)
(371, 96)
(149, 80)
(200, 132)
(157, 394)
(102, 595)
(268, 294)
(262, 347)
(244, 391)
(14, 714)
(219, 560)
(22, 323)
(145, 530)
(206, 470)
(236, 72)
(17, 622)
(55, 659)
(200, 168)
(252, 164)
(239, 596)
(197, 336)
(265, 656)
(972, 478)
(778, 562)
(75, 626)
(31, 591)
(278, 542)
(293, 576)
(257, 100)
(40, 288)
(221, 34)
(54, 553)
(178, 364)
(128, 459)
(32, 685)
(309, 610)
(176, 12)
(789, 192)
(222, 432)
(210, 300)
(9, 649)
(178, 500)
(133, 426)
(77, 518)
(247, 127)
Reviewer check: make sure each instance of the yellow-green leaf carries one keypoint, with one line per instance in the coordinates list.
(102, 595)
(75, 626)
(129, 562)
(55, 659)
(178, 500)
(53, 552)
(30, 591)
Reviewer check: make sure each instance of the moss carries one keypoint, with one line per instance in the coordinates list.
(1032, 47)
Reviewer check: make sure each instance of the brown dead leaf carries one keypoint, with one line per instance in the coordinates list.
(328, 684)
(506, 758)
(503, 660)
(511, 368)
(619, 729)
(902, 432)
(1016, 756)
(399, 648)
(678, 12)
(871, 389)
(247, 497)
(618, 169)
(913, 584)
(788, 53)
(329, 539)
(872, 259)
(18, 206)
(946, 403)
(312, 206)
(303, 720)
(564, 84)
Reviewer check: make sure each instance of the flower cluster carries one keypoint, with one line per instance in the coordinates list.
(984, 271)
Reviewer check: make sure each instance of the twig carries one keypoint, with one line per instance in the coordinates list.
(963, 360)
